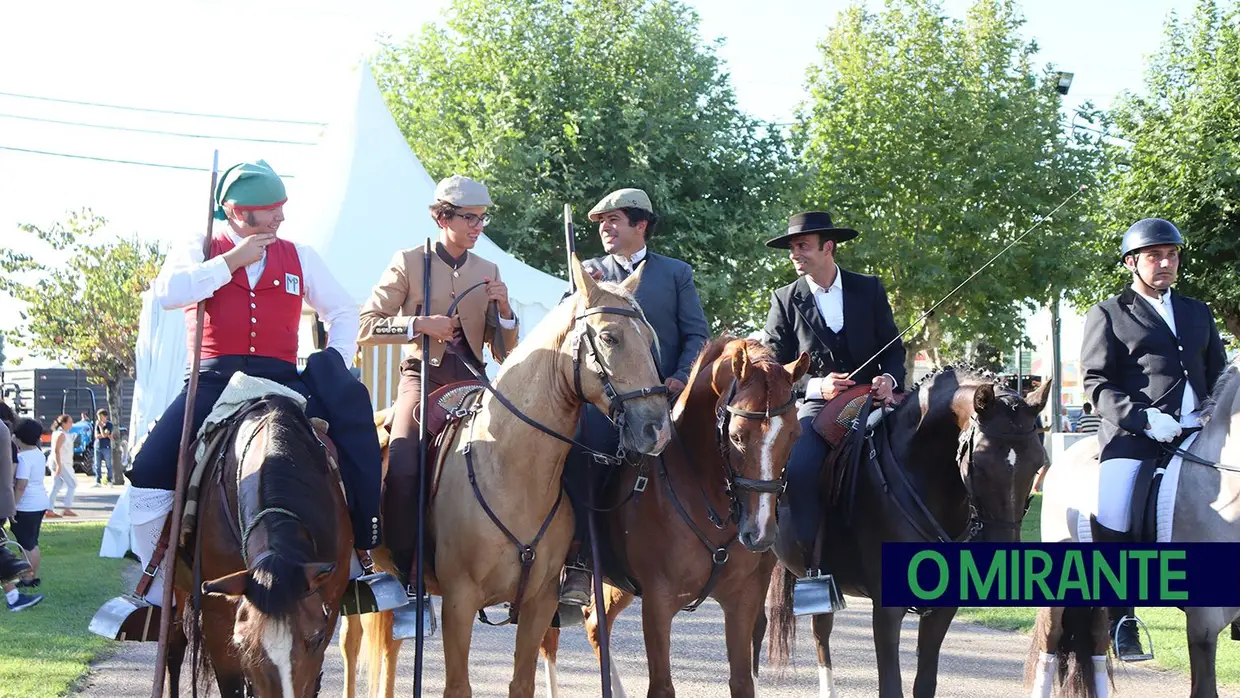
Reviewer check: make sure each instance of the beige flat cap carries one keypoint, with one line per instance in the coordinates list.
(621, 198)
(460, 190)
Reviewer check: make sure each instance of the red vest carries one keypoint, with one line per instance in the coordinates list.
(262, 321)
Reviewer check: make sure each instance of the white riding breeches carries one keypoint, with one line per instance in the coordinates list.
(148, 509)
(1116, 478)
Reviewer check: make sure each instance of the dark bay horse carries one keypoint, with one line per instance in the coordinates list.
(718, 483)
(961, 446)
(273, 540)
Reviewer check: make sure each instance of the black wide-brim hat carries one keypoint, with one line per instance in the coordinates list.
(811, 222)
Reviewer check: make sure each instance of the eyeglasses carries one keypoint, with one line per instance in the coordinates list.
(473, 220)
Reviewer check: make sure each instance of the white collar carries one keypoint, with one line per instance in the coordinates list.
(1163, 299)
(816, 289)
(631, 262)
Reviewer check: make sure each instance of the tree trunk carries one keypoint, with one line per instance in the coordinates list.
(1232, 321)
(114, 414)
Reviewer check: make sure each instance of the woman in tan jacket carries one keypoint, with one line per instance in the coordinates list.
(396, 314)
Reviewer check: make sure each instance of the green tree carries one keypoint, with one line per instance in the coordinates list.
(1182, 159)
(551, 102)
(940, 141)
(84, 309)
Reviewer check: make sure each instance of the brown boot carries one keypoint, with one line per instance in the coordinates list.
(575, 588)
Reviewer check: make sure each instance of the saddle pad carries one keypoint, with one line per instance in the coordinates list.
(1166, 493)
(447, 403)
(240, 392)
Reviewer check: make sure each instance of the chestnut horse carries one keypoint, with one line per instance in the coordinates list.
(274, 539)
(954, 462)
(734, 427)
(500, 527)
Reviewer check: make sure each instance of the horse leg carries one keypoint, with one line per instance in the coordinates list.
(177, 644)
(217, 642)
(1042, 664)
(536, 613)
(931, 630)
(460, 604)
(658, 609)
(759, 632)
(822, 624)
(350, 647)
(739, 617)
(549, 649)
(615, 601)
(1203, 626)
(886, 624)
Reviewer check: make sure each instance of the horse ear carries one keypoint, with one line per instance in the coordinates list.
(983, 397)
(232, 586)
(583, 282)
(1037, 399)
(798, 368)
(740, 363)
(630, 284)
(317, 573)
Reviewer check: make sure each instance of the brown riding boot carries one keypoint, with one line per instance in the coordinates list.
(577, 583)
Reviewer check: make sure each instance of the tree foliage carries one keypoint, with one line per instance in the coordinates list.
(1182, 159)
(83, 311)
(561, 101)
(941, 143)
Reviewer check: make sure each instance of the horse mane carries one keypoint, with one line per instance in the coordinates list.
(964, 374)
(1223, 387)
(294, 477)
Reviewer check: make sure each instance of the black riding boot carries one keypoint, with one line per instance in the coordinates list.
(1126, 634)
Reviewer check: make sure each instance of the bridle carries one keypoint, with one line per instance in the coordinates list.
(735, 483)
(964, 459)
(584, 334)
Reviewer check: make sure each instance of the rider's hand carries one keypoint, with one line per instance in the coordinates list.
(882, 387)
(438, 327)
(828, 386)
(674, 386)
(249, 251)
(498, 291)
(1161, 426)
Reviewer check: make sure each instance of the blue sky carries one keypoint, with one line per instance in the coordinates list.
(285, 59)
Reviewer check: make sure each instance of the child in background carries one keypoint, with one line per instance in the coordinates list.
(31, 496)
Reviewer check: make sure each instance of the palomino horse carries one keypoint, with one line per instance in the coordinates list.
(274, 538)
(1199, 501)
(500, 527)
(961, 456)
(735, 424)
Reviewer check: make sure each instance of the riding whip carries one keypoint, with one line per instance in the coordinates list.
(979, 270)
(570, 246)
(420, 584)
(183, 456)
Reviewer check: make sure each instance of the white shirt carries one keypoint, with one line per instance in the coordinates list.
(185, 279)
(630, 263)
(830, 302)
(30, 467)
(1188, 405)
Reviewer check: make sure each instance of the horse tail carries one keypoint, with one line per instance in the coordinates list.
(376, 636)
(783, 624)
(1075, 675)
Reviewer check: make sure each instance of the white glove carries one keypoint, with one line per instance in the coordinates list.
(1163, 427)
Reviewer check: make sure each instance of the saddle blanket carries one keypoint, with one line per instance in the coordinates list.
(1087, 501)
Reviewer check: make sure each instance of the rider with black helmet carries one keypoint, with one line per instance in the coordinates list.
(1149, 358)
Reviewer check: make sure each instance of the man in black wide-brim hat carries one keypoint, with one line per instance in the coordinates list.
(840, 319)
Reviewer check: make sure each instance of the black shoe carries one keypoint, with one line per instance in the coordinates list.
(1126, 634)
(576, 587)
(29, 583)
(11, 566)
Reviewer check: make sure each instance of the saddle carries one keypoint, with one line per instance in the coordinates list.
(1143, 511)
(444, 410)
(839, 424)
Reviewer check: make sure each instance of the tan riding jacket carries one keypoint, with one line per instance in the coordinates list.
(396, 301)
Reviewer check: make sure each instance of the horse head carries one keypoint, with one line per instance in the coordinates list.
(999, 455)
(295, 543)
(756, 427)
(610, 344)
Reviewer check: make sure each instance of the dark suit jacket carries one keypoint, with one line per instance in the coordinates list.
(670, 301)
(794, 325)
(1131, 361)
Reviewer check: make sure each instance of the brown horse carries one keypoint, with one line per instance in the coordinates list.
(955, 462)
(500, 528)
(274, 539)
(735, 424)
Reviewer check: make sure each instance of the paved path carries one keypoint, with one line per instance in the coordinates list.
(90, 503)
(976, 662)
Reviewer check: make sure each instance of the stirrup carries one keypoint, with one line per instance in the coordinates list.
(405, 618)
(129, 618)
(1140, 627)
(371, 593)
(816, 594)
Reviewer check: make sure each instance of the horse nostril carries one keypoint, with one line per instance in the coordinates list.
(650, 432)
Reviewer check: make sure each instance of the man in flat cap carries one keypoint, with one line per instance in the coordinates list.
(395, 314)
(840, 319)
(669, 299)
(254, 284)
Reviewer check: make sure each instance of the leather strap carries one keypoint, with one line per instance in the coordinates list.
(152, 567)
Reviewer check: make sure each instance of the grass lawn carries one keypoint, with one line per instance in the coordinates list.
(45, 649)
(1166, 625)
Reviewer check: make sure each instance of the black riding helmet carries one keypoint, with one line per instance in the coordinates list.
(1149, 232)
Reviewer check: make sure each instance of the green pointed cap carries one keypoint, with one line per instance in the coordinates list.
(249, 186)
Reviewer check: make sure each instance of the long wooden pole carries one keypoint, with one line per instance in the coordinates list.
(178, 496)
(419, 585)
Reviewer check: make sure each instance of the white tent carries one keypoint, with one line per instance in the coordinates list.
(366, 198)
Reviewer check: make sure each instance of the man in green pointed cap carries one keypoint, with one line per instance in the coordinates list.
(254, 284)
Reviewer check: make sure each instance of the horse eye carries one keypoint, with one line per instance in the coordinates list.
(609, 339)
(738, 441)
(316, 639)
